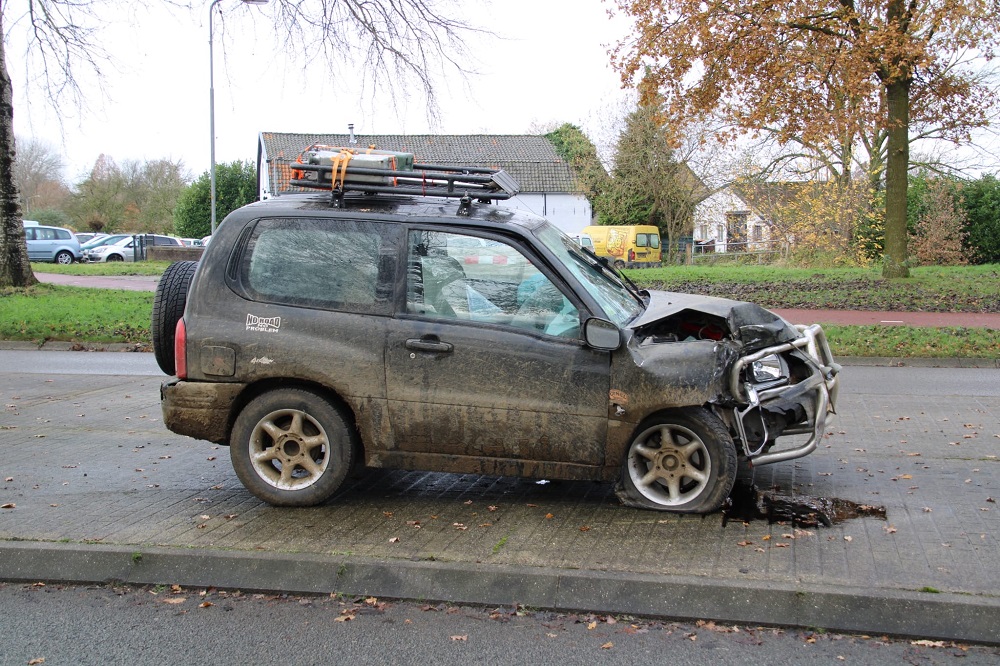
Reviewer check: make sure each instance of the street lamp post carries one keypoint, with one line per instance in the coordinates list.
(211, 96)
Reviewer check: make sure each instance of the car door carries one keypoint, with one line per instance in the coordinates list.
(31, 240)
(485, 361)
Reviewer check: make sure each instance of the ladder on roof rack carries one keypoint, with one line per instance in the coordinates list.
(341, 170)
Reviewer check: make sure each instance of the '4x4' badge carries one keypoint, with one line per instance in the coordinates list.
(263, 324)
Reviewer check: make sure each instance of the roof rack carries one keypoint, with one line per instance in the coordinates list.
(340, 170)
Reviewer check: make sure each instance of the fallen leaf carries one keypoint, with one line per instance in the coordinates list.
(493, 508)
(782, 545)
(387, 514)
(848, 539)
(592, 625)
(36, 662)
(394, 540)
(9, 479)
(549, 516)
(174, 600)
(745, 543)
(927, 643)
(927, 509)
(889, 529)
(205, 604)
(8, 505)
(463, 637)
(585, 528)
(343, 618)
(607, 646)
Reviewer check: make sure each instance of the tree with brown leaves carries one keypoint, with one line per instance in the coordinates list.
(822, 71)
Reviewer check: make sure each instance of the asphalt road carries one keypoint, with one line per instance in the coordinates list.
(139, 626)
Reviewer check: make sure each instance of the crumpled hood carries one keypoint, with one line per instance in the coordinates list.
(749, 323)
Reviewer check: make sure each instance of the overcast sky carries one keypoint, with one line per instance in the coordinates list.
(551, 66)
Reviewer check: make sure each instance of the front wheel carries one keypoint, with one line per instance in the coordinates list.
(64, 258)
(292, 447)
(682, 461)
(115, 257)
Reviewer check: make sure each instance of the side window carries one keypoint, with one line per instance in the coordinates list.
(456, 276)
(62, 234)
(29, 233)
(329, 264)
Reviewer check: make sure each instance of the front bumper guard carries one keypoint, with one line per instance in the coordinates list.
(822, 384)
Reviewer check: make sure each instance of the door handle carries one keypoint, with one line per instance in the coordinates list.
(425, 345)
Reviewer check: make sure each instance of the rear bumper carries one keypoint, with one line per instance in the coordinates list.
(202, 410)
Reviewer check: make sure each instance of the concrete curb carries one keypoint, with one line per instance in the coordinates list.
(899, 613)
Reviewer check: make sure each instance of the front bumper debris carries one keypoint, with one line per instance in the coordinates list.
(816, 394)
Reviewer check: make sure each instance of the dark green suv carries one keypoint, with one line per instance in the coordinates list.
(319, 333)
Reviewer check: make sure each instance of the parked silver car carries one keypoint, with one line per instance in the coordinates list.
(53, 244)
(123, 249)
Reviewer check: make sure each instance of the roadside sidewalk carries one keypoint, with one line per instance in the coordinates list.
(99, 490)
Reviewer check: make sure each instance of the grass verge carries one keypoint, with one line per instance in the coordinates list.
(928, 289)
(114, 268)
(49, 312)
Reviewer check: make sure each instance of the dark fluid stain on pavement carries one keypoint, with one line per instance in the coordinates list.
(747, 503)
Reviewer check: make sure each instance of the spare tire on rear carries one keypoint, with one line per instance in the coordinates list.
(168, 308)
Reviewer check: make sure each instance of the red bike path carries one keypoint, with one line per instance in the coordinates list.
(989, 320)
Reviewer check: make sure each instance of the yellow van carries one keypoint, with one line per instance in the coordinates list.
(627, 246)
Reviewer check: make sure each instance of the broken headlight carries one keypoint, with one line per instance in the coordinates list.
(769, 371)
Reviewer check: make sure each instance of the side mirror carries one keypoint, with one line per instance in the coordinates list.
(602, 334)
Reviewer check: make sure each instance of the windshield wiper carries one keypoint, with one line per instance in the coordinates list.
(632, 287)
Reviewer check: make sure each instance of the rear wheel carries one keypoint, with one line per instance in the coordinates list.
(168, 308)
(682, 461)
(292, 447)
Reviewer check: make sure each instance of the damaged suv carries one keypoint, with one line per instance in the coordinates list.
(326, 331)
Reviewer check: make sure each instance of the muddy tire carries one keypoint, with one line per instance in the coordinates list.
(292, 447)
(683, 461)
(168, 308)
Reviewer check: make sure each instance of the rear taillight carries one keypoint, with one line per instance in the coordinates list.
(180, 350)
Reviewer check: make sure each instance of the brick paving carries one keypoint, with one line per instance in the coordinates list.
(88, 461)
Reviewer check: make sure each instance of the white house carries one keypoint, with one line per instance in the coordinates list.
(728, 220)
(548, 185)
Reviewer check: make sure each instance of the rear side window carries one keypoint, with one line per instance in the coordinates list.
(62, 234)
(329, 264)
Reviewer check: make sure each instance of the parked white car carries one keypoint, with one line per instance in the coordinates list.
(124, 248)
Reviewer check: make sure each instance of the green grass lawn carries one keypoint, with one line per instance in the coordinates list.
(76, 314)
(928, 289)
(50, 312)
(113, 268)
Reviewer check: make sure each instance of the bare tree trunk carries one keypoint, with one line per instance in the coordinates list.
(15, 269)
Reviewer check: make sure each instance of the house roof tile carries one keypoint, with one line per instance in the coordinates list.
(531, 159)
